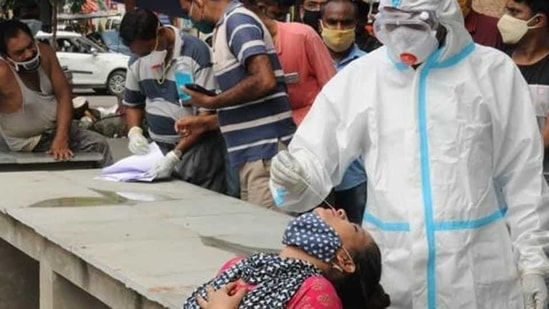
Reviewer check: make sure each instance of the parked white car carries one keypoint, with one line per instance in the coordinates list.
(91, 65)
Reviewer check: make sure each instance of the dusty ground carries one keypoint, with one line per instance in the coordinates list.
(490, 7)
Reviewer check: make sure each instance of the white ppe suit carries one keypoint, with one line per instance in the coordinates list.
(456, 198)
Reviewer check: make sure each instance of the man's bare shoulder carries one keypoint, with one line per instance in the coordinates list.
(48, 59)
(5, 72)
(47, 53)
(45, 50)
(4, 66)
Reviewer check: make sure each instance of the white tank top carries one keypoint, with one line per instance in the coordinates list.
(38, 113)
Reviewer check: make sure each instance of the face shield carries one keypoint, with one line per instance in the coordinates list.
(373, 10)
(409, 35)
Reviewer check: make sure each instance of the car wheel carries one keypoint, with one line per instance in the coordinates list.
(116, 82)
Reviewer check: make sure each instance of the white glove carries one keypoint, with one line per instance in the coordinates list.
(138, 144)
(164, 167)
(534, 291)
(286, 172)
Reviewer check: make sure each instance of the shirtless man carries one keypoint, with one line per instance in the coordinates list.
(35, 99)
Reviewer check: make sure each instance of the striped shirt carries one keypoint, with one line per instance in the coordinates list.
(144, 84)
(252, 130)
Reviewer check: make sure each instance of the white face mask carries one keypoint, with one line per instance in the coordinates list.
(29, 65)
(156, 58)
(410, 46)
(513, 29)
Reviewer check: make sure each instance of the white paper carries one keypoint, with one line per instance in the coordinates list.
(133, 168)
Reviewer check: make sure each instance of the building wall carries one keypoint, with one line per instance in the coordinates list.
(490, 7)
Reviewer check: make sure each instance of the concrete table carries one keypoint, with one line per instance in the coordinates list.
(30, 161)
(71, 241)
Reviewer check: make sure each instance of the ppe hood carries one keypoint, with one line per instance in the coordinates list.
(449, 15)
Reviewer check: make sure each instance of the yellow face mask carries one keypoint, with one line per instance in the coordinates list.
(338, 40)
(465, 6)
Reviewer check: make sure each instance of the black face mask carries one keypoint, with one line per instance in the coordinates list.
(312, 18)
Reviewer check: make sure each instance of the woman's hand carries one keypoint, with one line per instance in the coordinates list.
(224, 298)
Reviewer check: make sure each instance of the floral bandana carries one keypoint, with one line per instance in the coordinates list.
(314, 236)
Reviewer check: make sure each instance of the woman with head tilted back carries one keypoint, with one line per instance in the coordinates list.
(326, 262)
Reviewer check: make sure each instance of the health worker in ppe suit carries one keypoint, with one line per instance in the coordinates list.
(456, 197)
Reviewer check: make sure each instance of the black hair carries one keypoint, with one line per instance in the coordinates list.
(251, 4)
(26, 9)
(352, 3)
(139, 24)
(9, 29)
(285, 3)
(362, 289)
(537, 7)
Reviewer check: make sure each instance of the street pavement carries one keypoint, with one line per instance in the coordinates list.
(96, 100)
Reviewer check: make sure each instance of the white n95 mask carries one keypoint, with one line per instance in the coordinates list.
(513, 29)
(156, 58)
(409, 36)
(30, 65)
(156, 61)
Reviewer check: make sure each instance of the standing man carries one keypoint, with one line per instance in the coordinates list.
(151, 92)
(526, 25)
(305, 60)
(457, 201)
(253, 109)
(481, 27)
(338, 25)
(309, 11)
(35, 100)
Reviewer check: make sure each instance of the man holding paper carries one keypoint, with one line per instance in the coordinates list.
(164, 57)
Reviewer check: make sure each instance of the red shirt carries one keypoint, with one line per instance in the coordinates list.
(301, 50)
(483, 29)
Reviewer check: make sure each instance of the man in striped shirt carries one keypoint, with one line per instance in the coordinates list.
(151, 92)
(253, 108)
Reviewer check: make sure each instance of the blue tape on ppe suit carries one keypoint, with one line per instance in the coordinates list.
(279, 196)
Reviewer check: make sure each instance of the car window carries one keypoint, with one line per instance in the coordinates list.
(75, 45)
(113, 23)
(87, 45)
(113, 42)
(65, 45)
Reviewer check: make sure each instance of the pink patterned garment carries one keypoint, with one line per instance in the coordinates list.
(316, 292)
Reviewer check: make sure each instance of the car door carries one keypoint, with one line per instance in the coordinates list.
(79, 57)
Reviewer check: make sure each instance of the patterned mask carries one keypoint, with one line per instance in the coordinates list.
(312, 235)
